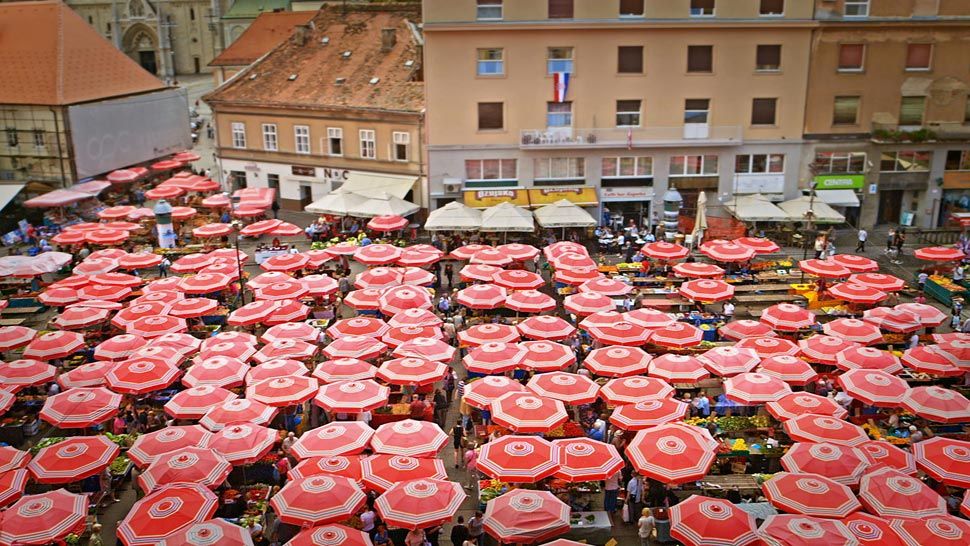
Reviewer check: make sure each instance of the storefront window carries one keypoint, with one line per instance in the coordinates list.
(905, 161)
(490, 169)
(559, 168)
(693, 165)
(627, 167)
(958, 160)
(759, 164)
(840, 162)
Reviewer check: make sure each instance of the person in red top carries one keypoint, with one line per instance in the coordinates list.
(283, 466)
(417, 407)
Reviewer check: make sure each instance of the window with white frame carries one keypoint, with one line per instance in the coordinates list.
(490, 169)
(368, 144)
(402, 141)
(335, 141)
(270, 140)
(840, 162)
(627, 113)
(856, 8)
(39, 139)
(696, 110)
(627, 167)
(489, 10)
(559, 114)
(301, 136)
(559, 59)
(693, 165)
(904, 161)
(759, 164)
(238, 134)
(559, 168)
(491, 62)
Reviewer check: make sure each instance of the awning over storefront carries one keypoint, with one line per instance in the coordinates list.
(838, 198)
(482, 199)
(563, 214)
(57, 198)
(755, 208)
(454, 217)
(584, 196)
(822, 213)
(338, 203)
(376, 184)
(507, 217)
(8, 192)
(383, 204)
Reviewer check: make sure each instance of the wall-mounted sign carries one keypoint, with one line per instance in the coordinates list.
(840, 182)
(303, 171)
(482, 199)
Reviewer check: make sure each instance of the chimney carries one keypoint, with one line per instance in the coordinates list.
(388, 39)
(300, 34)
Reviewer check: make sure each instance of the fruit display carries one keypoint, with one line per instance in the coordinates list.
(120, 465)
(946, 284)
(489, 489)
(124, 441)
(49, 441)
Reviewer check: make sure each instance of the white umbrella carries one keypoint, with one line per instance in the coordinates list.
(454, 217)
(700, 222)
(507, 217)
(384, 204)
(755, 208)
(337, 203)
(563, 214)
(823, 214)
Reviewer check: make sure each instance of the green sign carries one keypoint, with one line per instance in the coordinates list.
(840, 182)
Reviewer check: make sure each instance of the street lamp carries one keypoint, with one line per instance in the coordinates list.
(236, 226)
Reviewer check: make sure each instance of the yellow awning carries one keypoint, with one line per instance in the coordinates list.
(584, 196)
(485, 198)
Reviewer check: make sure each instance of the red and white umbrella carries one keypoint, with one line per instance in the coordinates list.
(706, 290)
(411, 371)
(345, 248)
(271, 369)
(68, 237)
(260, 227)
(630, 390)
(364, 348)
(25, 372)
(705, 521)
(208, 533)
(938, 404)
(678, 335)
(399, 298)
(517, 279)
(606, 286)
(291, 330)
(525, 516)
(577, 276)
(665, 251)
(893, 320)
(344, 369)
(268, 278)
(727, 252)
(821, 428)
(957, 351)
(106, 236)
(212, 230)
(491, 256)
(478, 272)
(947, 460)
(868, 358)
(545, 327)
(319, 286)
(790, 369)
(387, 222)
(519, 252)
(526, 412)
(925, 359)
(841, 464)
(529, 301)
(754, 388)
(889, 493)
(854, 330)
(488, 333)
(168, 510)
(810, 494)
(80, 407)
(826, 269)
(416, 504)
(106, 292)
(352, 396)
(824, 349)
(728, 361)
(563, 247)
(142, 375)
(149, 446)
(482, 296)
(480, 393)
(73, 459)
(939, 254)
(187, 465)
(758, 244)
(572, 260)
(204, 283)
(192, 263)
(93, 266)
(857, 293)
(194, 402)
(116, 279)
(518, 459)
(928, 315)
(870, 530)
(936, 530)
(797, 404)
(396, 336)
(363, 300)
(418, 258)
(586, 303)
(43, 518)
(380, 472)
(648, 318)
(59, 296)
(291, 390)
(140, 260)
(150, 327)
(332, 440)
(617, 361)
(289, 290)
(231, 349)
(619, 333)
(879, 281)
(12, 484)
(130, 314)
(12, 459)
(193, 307)
(86, 375)
(287, 311)
(769, 346)
(379, 277)
(698, 270)
(348, 467)
(238, 410)
(317, 500)
(648, 413)
(675, 368)
(856, 264)
(409, 438)
(874, 387)
(244, 443)
(292, 349)
(377, 254)
(330, 535)
(801, 530)
(414, 317)
(568, 388)
(787, 317)
(54, 345)
(672, 453)
(164, 290)
(582, 459)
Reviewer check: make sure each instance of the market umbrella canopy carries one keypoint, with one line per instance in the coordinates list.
(939, 254)
(706, 290)
(577, 276)
(140, 260)
(166, 511)
(529, 301)
(43, 518)
(506, 217)
(86, 375)
(494, 358)
(889, 493)
(208, 533)
(409, 438)
(194, 402)
(291, 330)
(414, 317)
(728, 361)
(767, 347)
(416, 504)
(142, 375)
(545, 327)
(481, 392)
(186, 465)
(243, 443)
(754, 388)
(678, 335)
(149, 446)
(886, 454)
(925, 359)
(278, 367)
(53, 345)
(546, 356)
(517, 279)
(518, 459)
(648, 318)
(525, 412)
(292, 349)
(874, 387)
(191, 263)
(25, 372)
(879, 281)
(73, 459)
(947, 460)
(938, 404)
(787, 317)
(928, 315)
(798, 530)
(349, 467)
(957, 351)
(853, 330)
(563, 247)
(59, 296)
(569, 388)
(380, 472)
(220, 371)
(13, 459)
(317, 500)
(810, 494)
(387, 222)
(630, 390)
(12, 484)
(482, 296)
(893, 320)
(400, 298)
(827, 269)
(648, 413)
(412, 371)
(820, 428)
(586, 303)
(149, 327)
(77, 318)
(573, 261)
(362, 347)
(675, 368)
(857, 293)
(237, 410)
(80, 407)
(344, 369)
(352, 396)
(842, 464)
(703, 521)
(332, 440)
(377, 254)
(619, 333)
(936, 530)
(491, 256)
(330, 535)
(662, 250)
(727, 252)
(289, 290)
(583, 459)
(525, 516)
(824, 349)
(672, 453)
(868, 358)
(698, 270)
(870, 530)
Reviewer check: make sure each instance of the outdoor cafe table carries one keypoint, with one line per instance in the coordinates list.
(599, 531)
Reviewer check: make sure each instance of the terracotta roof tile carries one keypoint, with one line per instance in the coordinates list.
(265, 33)
(50, 56)
(318, 65)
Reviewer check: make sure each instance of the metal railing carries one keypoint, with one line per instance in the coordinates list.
(688, 134)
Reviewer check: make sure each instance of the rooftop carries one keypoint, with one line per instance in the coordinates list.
(339, 60)
(248, 9)
(265, 33)
(50, 56)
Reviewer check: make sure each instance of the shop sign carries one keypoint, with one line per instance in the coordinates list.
(303, 171)
(482, 199)
(840, 182)
(956, 180)
(759, 183)
(642, 193)
(582, 195)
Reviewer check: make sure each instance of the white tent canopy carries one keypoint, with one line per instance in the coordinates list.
(563, 214)
(507, 217)
(454, 216)
(382, 205)
(755, 208)
(838, 198)
(379, 184)
(798, 208)
(338, 203)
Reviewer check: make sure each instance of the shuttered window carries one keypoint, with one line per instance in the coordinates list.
(851, 57)
(911, 110)
(919, 56)
(845, 111)
(490, 116)
(771, 7)
(631, 8)
(629, 59)
(700, 58)
(560, 9)
(768, 58)
(763, 111)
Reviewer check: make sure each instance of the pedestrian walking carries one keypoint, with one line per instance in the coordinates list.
(163, 266)
(458, 442)
(449, 385)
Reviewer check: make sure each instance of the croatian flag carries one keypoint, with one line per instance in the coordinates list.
(560, 86)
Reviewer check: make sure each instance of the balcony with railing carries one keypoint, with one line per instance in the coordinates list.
(933, 131)
(691, 134)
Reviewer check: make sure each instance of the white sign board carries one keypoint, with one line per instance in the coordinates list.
(759, 183)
